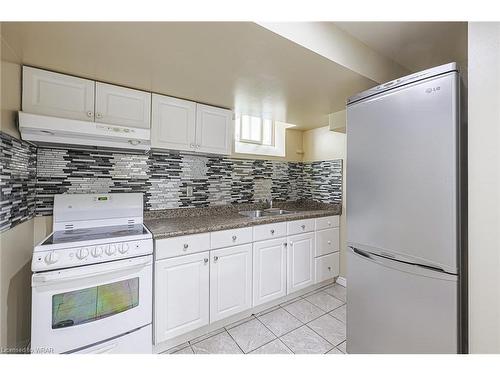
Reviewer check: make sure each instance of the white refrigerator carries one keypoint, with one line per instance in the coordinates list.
(405, 214)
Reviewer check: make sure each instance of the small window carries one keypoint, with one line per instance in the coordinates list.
(256, 130)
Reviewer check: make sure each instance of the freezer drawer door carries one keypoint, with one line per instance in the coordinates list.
(394, 307)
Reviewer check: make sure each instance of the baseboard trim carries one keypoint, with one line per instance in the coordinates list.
(341, 281)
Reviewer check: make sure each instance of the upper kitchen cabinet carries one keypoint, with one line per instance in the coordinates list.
(173, 123)
(213, 129)
(59, 95)
(187, 126)
(122, 106)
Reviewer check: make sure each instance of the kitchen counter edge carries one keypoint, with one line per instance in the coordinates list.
(162, 228)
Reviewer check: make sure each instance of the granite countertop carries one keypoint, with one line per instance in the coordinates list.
(180, 222)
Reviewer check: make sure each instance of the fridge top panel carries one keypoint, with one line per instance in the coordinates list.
(438, 70)
(402, 168)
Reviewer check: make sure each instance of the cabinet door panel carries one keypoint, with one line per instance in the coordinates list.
(213, 129)
(300, 259)
(230, 281)
(181, 295)
(173, 123)
(269, 270)
(59, 95)
(122, 106)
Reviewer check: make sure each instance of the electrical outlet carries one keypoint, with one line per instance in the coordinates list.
(189, 191)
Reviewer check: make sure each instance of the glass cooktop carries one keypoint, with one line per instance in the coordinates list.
(90, 234)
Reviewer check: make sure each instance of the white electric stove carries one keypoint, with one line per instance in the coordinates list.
(92, 277)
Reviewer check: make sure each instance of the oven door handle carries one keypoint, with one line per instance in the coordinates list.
(76, 274)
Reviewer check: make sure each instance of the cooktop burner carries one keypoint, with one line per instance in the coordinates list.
(98, 233)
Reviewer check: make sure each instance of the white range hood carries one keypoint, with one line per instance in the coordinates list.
(40, 129)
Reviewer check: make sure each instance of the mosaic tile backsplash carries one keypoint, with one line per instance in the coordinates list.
(165, 178)
(17, 181)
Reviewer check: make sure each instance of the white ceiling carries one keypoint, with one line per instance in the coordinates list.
(235, 65)
(415, 45)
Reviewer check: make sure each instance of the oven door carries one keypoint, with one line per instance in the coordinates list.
(80, 306)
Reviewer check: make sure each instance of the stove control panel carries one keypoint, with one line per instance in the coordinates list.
(78, 256)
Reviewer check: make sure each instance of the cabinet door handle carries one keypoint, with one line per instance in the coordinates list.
(272, 231)
(329, 242)
(205, 260)
(285, 244)
(234, 238)
(329, 223)
(98, 115)
(329, 268)
(303, 226)
(216, 258)
(291, 243)
(192, 145)
(90, 114)
(186, 246)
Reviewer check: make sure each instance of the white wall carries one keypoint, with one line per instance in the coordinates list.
(323, 144)
(335, 44)
(16, 245)
(484, 187)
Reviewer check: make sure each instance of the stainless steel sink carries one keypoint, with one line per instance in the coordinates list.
(263, 213)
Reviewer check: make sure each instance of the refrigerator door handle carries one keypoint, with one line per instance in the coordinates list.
(360, 252)
(401, 264)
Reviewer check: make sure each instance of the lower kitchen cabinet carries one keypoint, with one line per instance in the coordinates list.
(181, 295)
(269, 270)
(207, 277)
(300, 260)
(230, 281)
(326, 267)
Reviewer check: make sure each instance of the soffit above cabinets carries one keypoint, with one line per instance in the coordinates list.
(415, 45)
(237, 65)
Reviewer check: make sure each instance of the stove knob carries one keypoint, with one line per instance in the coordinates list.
(96, 251)
(111, 250)
(82, 253)
(123, 249)
(51, 257)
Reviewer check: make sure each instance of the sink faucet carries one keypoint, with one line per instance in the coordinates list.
(270, 201)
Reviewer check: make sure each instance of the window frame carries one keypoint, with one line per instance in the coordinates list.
(261, 124)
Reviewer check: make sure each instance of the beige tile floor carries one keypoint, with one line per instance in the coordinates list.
(313, 323)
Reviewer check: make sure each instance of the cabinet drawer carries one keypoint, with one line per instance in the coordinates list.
(231, 237)
(327, 241)
(268, 231)
(327, 222)
(300, 226)
(175, 246)
(327, 267)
